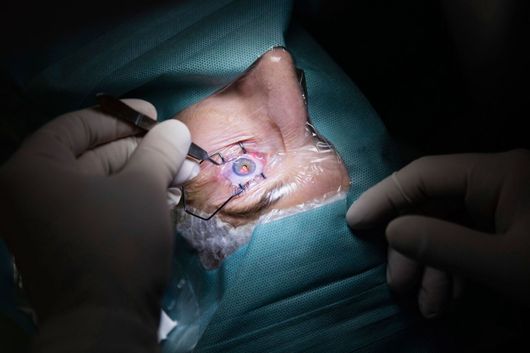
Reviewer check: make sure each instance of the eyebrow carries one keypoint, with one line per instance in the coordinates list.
(269, 197)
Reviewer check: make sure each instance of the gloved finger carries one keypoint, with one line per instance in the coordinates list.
(173, 196)
(187, 171)
(161, 153)
(76, 132)
(403, 274)
(448, 246)
(109, 158)
(435, 292)
(423, 179)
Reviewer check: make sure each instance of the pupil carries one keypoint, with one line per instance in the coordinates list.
(243, 166)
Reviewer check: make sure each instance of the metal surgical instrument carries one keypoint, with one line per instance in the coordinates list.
(115, 107)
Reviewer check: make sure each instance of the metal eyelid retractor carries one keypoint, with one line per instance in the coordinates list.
(201, 155)
(113, 106)
(122, 111)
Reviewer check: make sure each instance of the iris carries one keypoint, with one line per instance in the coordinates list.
(243, 169)
(243, 166)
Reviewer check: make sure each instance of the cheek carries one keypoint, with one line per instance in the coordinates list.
(325, 173)
(204, 191)
(312, 177)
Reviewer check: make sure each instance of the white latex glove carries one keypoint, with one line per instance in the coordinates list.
(84, 210)
(488, 197)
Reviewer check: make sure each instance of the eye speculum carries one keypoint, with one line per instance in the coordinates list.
(243, 166)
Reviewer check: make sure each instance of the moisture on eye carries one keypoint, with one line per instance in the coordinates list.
(243, 166)
(243, 169)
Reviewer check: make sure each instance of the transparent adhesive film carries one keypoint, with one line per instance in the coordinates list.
(271, 161)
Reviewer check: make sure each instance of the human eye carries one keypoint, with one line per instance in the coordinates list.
(238, 170)
(243, 168)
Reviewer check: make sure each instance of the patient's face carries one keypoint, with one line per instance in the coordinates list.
(260, 125)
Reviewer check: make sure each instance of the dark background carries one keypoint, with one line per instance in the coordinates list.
(445, 76)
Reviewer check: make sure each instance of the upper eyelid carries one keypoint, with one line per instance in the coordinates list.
(228, 155)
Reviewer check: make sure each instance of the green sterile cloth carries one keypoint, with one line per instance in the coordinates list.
(304, 283)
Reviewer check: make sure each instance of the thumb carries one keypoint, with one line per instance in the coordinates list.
(161, 153)
(448, 246)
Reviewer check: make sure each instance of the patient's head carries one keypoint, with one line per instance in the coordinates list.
(274, 160)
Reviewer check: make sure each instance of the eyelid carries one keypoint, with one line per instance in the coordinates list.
(256, 208)
(236, 149)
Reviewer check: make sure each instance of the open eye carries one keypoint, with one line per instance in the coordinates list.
(243, 169)
(243, 166)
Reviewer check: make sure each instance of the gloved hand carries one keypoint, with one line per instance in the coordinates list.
(84, 210)
(469, 217)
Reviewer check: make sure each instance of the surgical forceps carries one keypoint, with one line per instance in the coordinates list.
(122, 111)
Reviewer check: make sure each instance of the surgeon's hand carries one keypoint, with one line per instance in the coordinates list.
(84, 210)
(454, 217)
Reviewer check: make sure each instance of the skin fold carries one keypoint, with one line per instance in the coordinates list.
(265, 111)
(261, 116)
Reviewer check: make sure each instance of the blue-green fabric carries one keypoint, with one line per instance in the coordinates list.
(10, 296)
(304, 283)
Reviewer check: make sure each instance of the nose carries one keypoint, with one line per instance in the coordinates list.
(275, 75)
